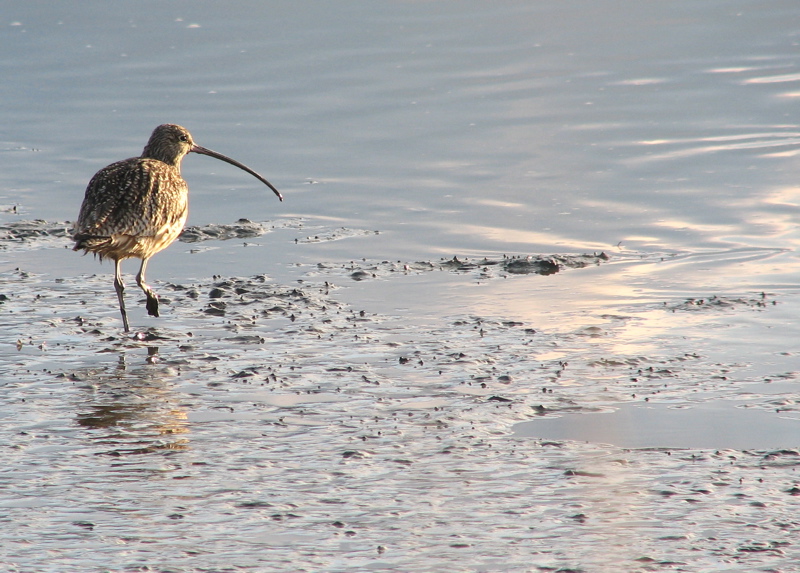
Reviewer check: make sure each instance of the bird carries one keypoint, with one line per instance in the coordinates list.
(136, 207)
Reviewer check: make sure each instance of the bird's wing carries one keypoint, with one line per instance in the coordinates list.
(134, 197)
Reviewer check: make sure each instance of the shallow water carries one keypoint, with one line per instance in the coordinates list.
(742, 424)
(383, 372)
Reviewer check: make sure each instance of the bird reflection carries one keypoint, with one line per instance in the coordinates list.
(132, 409)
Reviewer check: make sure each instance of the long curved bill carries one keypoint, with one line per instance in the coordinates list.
(243, 167)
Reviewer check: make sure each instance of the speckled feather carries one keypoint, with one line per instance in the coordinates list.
(133, 208)
(138, 206)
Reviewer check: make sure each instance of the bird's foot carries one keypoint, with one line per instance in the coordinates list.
(152, 304)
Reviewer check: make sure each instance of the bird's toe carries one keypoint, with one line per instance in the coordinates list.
(152, 305)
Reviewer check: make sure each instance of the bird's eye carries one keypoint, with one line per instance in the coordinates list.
(183, 137)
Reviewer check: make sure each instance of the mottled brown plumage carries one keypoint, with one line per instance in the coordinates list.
(136, 207)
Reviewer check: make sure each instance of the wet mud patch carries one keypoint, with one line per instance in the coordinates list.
(336, 235)
(241, 229)
(715, 302)
(248, 324)
(320, 431)
(44, 234)
(21, 235)
(483, 268)
(37, 233)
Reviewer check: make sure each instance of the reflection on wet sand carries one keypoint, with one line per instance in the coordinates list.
(129, 406)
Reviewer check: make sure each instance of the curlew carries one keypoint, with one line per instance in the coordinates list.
(136, 207)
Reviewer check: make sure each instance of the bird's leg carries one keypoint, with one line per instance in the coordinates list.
(119, 287)
(152, 298)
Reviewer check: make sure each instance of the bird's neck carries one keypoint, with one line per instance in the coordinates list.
(154, 152)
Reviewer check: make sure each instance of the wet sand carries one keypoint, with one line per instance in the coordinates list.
(278, 416)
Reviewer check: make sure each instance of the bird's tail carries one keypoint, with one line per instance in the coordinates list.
(92, 244)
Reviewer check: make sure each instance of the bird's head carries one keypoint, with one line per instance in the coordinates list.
(169, 143)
